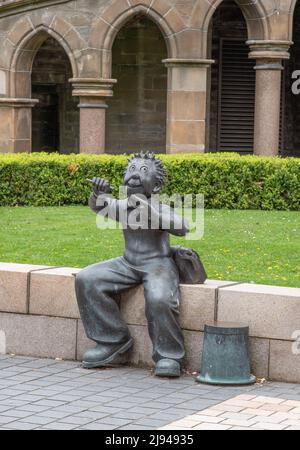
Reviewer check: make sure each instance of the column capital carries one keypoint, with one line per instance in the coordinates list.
(270, 50)
(177, 62)
(92, 87)
(6, 102)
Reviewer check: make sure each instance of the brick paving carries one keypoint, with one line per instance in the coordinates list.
(250, 412)
(39, 394)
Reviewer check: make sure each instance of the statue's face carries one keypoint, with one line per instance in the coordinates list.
(141, 177)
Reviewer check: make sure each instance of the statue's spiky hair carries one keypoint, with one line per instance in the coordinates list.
(160, 169)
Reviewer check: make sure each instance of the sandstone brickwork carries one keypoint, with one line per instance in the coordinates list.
(156, 57)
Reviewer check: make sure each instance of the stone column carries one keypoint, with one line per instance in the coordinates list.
(15, 124)
(269, 56)
(92, 94)
(186, 110)
(267, 107)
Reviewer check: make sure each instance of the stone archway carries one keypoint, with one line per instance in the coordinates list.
(254, 12)
(118, 13)
(25, 50)
(25, 41)
(268, 53)
(20, 86)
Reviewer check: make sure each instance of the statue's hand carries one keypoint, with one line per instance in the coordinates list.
(100, 186)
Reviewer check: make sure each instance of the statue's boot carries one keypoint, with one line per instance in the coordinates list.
(167, 368)
(101, 356)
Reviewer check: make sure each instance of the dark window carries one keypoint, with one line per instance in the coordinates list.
(55, 119)
(45, 119)
(236, 97)
(291, 124)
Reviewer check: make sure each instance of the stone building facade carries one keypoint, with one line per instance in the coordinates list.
(173, 76)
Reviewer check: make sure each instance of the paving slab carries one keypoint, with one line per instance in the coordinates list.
(66, 397)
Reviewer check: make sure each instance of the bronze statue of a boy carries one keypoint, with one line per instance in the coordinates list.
(147, 259)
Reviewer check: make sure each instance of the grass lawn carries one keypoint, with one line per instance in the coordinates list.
(258, 246)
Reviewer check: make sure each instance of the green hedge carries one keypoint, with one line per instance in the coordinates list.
(227, 180)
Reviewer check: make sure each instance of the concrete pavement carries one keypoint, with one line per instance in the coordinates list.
(60, 395)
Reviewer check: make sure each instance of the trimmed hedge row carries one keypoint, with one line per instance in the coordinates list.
(227, 181)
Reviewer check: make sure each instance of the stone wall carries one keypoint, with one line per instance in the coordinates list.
(136, 117)
(39, 316)
(87, 31)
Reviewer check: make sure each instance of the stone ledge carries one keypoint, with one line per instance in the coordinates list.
(13, 286)
(52, 293)
(39, 317)
(271, 312)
